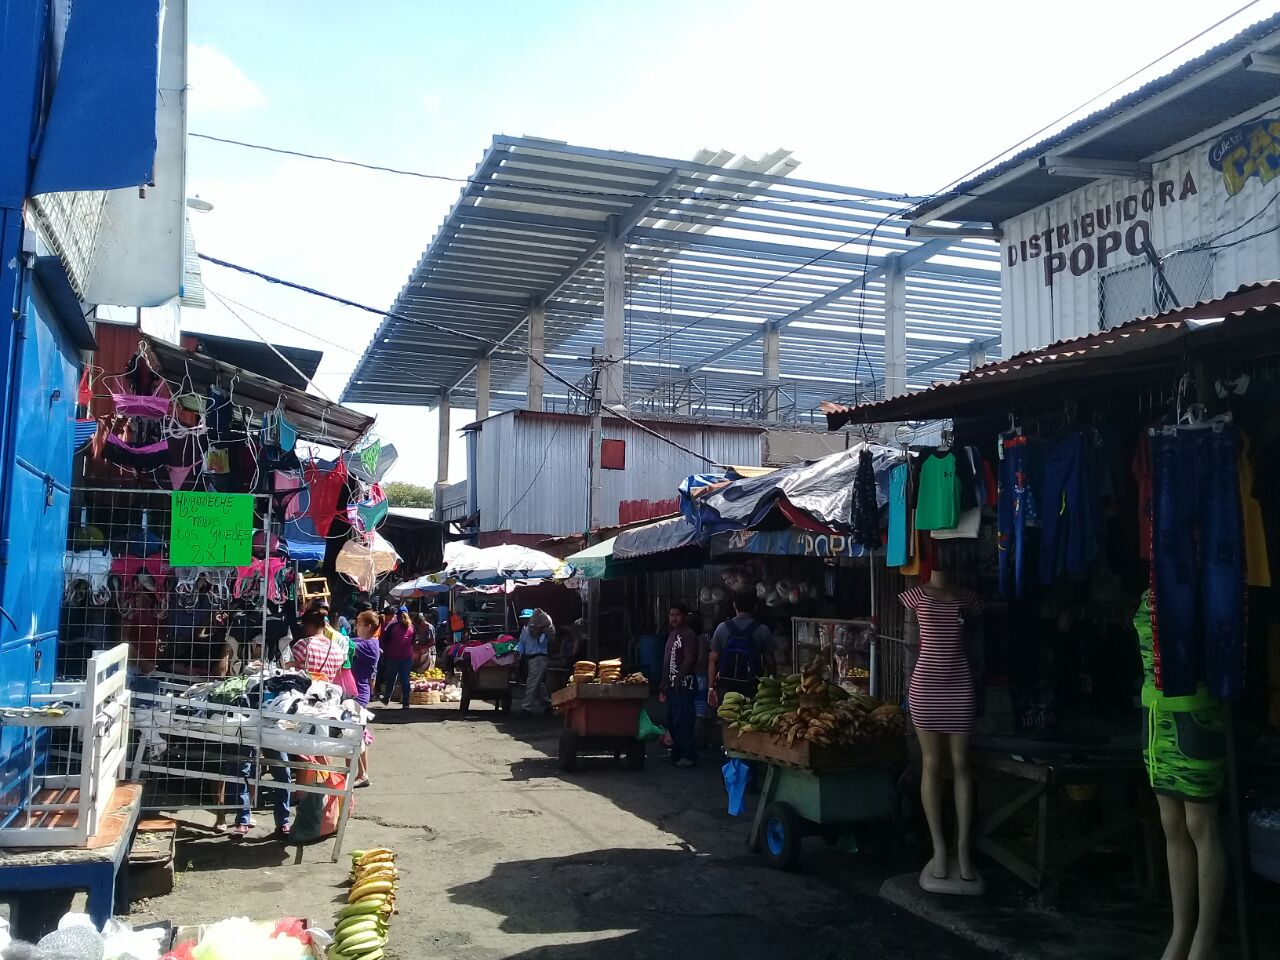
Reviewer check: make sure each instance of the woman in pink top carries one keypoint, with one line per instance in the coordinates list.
(397, 656)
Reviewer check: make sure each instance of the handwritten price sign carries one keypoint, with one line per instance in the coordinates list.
(211, 530)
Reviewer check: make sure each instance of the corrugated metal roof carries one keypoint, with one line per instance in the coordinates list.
(717, 248)
(1144, 348)
(1169, 118)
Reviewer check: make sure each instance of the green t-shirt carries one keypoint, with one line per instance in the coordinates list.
(938, 502)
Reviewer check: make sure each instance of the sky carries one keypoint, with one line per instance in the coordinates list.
(898, 97)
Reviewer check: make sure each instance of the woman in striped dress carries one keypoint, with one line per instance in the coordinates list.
(941, 698)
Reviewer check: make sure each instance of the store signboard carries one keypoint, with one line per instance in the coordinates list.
(211, 530)
(787, 543)
(1201, 226)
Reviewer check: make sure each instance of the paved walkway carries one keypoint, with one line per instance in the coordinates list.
(502, 855)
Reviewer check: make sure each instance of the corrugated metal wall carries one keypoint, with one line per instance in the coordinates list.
(1188, 203)
(531, 469)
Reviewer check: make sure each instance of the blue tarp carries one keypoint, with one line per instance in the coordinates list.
(101, 130)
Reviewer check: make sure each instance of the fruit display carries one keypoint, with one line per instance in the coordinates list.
(804, 706)
(432, 679)
(360, 932)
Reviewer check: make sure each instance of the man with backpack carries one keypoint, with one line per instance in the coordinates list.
(741, 652)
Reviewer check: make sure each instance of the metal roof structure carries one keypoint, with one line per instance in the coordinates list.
(1228, 80)
(1244, 322)
(716, 249)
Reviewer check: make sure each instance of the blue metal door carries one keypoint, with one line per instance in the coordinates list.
(36, 496)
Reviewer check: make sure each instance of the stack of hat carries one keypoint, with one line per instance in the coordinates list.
(584, 671)
(610, 671)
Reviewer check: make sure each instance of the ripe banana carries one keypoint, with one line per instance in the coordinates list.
(371, 886)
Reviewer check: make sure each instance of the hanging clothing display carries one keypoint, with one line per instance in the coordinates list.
(938, 499)
(967, 527)
(326, 488)
(1068, 507)
(897, 549)
(1184, 746)
(1197, 563)
(365, 561)
(941, 695)
(1011, 513)
(865, 522)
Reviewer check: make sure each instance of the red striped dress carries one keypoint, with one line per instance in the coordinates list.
(941, 695)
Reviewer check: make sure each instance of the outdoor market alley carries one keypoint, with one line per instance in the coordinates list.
(503, 855)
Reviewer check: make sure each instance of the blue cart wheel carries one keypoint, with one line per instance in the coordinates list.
(780, 845)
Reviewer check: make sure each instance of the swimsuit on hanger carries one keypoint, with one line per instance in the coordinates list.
(151, 407)
(149, 456)
(326, 488)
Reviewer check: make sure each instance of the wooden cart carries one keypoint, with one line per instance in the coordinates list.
(846, 797)
(601, 718)
(492, 682)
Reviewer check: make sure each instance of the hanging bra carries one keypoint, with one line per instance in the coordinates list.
(150, 456)
(249, 584)
(364, 515)
(326, 488)
(218, 579)
(151, 407)
(89, 567)
(132, 575)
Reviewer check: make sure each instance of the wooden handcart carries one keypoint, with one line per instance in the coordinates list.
(492, 682)
(601, 718)
(846, 797)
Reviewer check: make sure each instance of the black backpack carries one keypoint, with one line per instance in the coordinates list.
(739, 663)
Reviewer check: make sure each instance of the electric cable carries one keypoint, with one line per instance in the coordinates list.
(698, 193)
(303, 288)
(1097, 96)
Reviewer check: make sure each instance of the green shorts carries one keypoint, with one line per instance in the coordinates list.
(1185, 751)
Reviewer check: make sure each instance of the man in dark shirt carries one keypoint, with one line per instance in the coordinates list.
(679, 687)
(741, 652)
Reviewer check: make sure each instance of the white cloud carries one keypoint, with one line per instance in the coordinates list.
(217, 84)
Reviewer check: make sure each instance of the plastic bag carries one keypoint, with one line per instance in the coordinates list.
(318, 814)
(648, 731)
(736, 774)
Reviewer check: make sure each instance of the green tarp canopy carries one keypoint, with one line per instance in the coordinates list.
(593, 563)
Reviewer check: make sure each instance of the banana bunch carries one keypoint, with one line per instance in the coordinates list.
(811, 681)
(734, 709)
(848, 723)
(765, 708)
(361, 929)
(790, 692)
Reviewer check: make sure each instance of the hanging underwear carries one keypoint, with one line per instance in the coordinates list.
(85, 430)
(370, 456)
(249, 580)
(150, 407)
(89, 567)
(287, 486)
(133, 575)
(189, 580)
(326, 488)
(184, 457)
(84, 392)
(288, 438)
(151, 456)
(366, 514)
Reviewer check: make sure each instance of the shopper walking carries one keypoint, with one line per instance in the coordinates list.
(533, 648)
(364, 666)
(397, 656)
(679, 659)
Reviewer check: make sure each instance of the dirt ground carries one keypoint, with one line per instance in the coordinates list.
(503, 855)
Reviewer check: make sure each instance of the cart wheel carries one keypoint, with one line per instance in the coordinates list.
(568, 750)
(780, 840)
(635, 755)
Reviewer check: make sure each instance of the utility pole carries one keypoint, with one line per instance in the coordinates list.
(594, 490)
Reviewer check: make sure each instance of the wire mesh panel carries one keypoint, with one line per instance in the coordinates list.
(1139, 289)
(182, 625)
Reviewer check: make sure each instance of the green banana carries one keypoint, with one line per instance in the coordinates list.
(365, 940)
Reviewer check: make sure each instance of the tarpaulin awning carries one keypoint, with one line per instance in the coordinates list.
(593, 562)
(674, 533)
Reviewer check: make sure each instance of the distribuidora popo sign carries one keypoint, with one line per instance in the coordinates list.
(211, 530)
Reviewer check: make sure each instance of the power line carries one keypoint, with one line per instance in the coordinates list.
(694, 194)
(1096, 96)
(303, 288)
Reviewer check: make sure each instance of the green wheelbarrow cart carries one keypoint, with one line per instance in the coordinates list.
(846, 798)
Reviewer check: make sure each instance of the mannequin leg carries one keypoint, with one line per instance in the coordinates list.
(958, 744)
(1211, 875)
(932, 747)
(1181, 854)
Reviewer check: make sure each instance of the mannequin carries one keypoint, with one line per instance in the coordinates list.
(1184, 749)
(942, 698)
